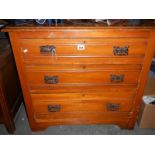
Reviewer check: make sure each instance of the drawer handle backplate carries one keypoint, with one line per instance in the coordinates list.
(54, 108)
(113, 107)
(117, 78)
(48, 49)
(51, 79)
(120, 51)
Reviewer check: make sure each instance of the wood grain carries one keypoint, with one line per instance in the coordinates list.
(84, 86)
(94, 47)
(36, 77)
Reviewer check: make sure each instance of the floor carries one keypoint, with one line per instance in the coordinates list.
(22, 128)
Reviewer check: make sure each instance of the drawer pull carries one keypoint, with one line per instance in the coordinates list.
(54, 108)
(117, 78)
(48, 49)
(120, 51)
(51, 79)
(113, 107)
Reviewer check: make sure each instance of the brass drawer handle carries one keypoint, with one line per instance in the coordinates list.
(48, 49)
(54, 108)
(117, 78)
(51, 79)
(120, 51)
(113, 107)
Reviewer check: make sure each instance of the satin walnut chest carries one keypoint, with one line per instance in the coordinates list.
(81, 74)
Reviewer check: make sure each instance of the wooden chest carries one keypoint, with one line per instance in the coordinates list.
(82, 75)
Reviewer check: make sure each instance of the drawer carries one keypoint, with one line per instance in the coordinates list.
(82, 107)
(46, 77)
(78, 108)
(53, 104)
(37, 48)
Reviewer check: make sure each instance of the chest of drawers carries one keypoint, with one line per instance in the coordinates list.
(82, 75)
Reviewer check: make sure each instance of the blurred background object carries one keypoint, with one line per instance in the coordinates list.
(10, 91)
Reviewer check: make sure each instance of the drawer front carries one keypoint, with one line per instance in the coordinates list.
(48, 78)
(31, 48)
(82, 107)
(52, 104)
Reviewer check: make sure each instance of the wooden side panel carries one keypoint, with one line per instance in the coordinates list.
(143, 78)
(20, 68)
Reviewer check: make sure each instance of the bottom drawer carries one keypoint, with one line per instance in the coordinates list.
(53, 108)
(68, 105)
(82, 108)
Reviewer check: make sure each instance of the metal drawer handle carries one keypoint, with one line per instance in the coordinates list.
(48, 49)
(113, 107)
(117, 78)
(54, 108)
(51, 79)
(120, 51)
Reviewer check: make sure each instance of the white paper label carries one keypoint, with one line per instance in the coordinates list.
(80, 47)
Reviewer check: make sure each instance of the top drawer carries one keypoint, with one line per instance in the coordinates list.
(40, 48)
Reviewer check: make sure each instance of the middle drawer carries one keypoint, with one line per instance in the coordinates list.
(47, 76)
